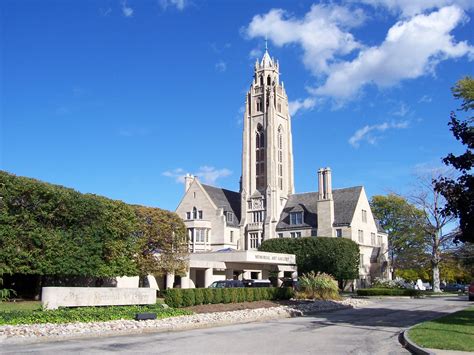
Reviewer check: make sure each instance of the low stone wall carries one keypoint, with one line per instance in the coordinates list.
(54, 297)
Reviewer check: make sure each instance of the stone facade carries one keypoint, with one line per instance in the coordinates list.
(266, 206)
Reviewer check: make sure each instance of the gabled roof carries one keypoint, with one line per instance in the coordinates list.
(345, 203)
(226, 199)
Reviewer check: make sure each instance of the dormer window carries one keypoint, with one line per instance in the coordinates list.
(296, 218)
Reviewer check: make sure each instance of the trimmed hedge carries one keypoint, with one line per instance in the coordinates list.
(177, 297)
(387, 292)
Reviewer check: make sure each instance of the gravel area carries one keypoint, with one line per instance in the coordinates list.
(35, 332)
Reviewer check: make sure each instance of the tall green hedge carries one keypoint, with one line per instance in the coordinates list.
(47, 229)
(177, 297)
(338, 257)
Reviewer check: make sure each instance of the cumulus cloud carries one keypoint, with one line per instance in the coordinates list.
(372, 133)
(206, 174)
(297, 105)
(221, 66)
(255, 53)
(127, 11)
(412, 47)
(178, 4)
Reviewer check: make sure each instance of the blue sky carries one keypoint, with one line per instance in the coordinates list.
(122, 98)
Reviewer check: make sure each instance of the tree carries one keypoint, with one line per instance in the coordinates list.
(431, 202)
(459, 192)
(335, 256)
(162, 244)
(402, 222)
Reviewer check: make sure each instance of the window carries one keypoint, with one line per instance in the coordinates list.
(258, 216)
(188, 215)
(200, 235)
(229, 217)
(361, 260)
(364, 216)
(279, 106)
(259, 104)
(295, 234)
(339, 233)
(280, 235)
(379, 240)
(195, 213)
(269, 80)
(194, 194)
(231, 236)
(372, 238)
(361, 236)
(260, 157)
(261, 79)
(200, 214)
(296, 218)
(280, 158)
(253, 240)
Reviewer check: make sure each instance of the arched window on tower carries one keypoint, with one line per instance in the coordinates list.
(280, 157)
(260, 157)
(261, 79)
(279, 105)
(269, 80)
(259, 104)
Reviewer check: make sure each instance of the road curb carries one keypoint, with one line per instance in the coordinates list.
(411, 346)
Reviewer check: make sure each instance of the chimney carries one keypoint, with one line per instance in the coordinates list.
(324, 184)
(188, 180)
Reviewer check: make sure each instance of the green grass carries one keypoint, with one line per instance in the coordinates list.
(36, 315)
(451, 332)
(20, 306)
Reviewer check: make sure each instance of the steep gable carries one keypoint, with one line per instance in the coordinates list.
(226, 199)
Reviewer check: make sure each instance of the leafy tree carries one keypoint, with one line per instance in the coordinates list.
(162, 244)
(402, 221)
(459, 192)
(335, 256)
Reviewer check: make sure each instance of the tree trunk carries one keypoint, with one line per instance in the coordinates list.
(435, 269)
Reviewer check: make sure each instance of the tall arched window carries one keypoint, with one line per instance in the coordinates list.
(259, 104)
(195, 213)
(260, 157)
(261, 79)
(280, 158)
(269, 80)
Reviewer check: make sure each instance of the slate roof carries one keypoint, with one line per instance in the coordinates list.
(226, 199)
(379, 227)
(345, 203)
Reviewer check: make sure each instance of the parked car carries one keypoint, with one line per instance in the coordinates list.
(227, 284)
(257, 283)
(471, 291)
(453, 288)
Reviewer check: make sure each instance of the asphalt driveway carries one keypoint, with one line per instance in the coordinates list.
(373, 329)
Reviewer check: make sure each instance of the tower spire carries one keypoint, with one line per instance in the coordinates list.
(266, 43)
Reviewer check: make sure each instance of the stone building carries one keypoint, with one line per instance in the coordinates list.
(266, 205)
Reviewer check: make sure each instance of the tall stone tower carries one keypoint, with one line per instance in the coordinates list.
(267, 155)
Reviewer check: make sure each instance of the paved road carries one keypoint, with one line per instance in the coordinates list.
(370, 330)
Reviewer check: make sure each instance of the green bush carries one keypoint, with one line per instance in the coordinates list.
(174, 297)
(208, 295)
(320, 285)
(218, 295)
(199, 295)
(241, 294)
(226, 295)
(234, 295)
(85, 314)
(249, 294)
(387, 292)
(188, 297)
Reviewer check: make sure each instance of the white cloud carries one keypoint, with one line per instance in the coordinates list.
(206, 174)
(425, 99)
(411, 49)
(370, 133)
(221, 66)
(297, 105)
(255, 53)
(105, 12)
(402, 110)
(178, 4)
(322, 32)
(126, 10)
(409, 8)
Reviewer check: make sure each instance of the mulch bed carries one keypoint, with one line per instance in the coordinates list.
(221, 307)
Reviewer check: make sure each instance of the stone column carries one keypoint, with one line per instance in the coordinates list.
(185, 280)
(208, 273)
(169, 280)
(229, 274)
(280, 275)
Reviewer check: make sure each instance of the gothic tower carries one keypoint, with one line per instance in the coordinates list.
(267, 155)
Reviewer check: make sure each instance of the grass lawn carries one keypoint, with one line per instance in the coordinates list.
(20, 306)
(451, 332)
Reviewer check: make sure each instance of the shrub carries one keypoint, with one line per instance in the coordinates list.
(320, 285)
(241, 294)
(174, 297)
(188, 297)
(208, 296)
(226, 295)
(234, 295)
(387, 292)
(218, 295)
(199, 295)
(249, 294)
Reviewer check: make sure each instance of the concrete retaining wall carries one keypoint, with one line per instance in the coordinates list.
(54, 297)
